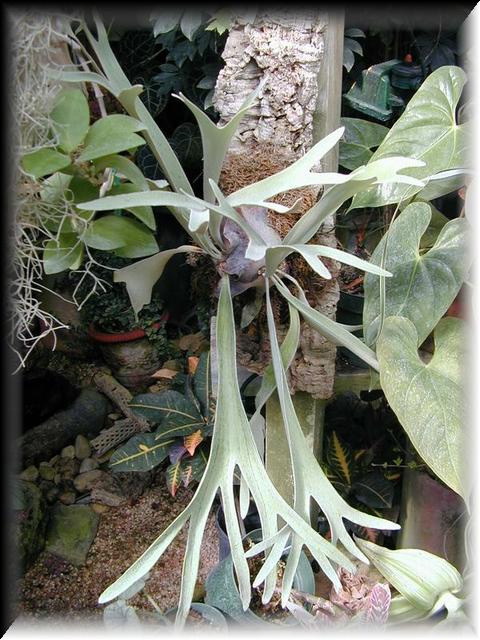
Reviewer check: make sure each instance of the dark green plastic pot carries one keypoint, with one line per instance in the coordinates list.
(222, 592)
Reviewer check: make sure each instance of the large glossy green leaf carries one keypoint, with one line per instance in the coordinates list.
(423, 284)
(428, 398)
(174, 413)
(71, 119)
(125, 167)
(113, 232)
(110, 135)
(44, 162)
(358, 140)
(421, 577)
(427, 130)
(61, 254)
(141, 453)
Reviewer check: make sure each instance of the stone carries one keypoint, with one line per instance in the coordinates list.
(71, 532)
(30, 474)
(99, 508)
(89, 464)
(69, 468)
(67, 497)
(57, 478)
(85, 481)
(46, 472)
(82, 448)
(31, 523)
(52, 495)
(54, 461)
(68, 452)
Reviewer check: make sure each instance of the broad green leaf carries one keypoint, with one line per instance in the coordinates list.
(171, 410)
(82, 189)
(374, 490)
(437, 222)
(423, 284)
(61, 254)
(442, 183)
(190, 22)
(194, 468)
(428, 399)
(141, 276)
(144, 214)
(421, 577)
(55, 188)
(113, 232)
(167, 21)
(339, 459)
(427, 130)
(44, 162)
(192, 441)
(71, 119)
(110, 135)
(358, 140)
(141, 453)
(125, 167)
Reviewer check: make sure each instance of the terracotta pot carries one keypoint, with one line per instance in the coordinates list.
(130, 355)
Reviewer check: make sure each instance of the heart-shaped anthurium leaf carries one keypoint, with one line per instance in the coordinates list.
(423, 284)
(427, 130)
(428, 398)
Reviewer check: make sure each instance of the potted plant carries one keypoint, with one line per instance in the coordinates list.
(133, 348)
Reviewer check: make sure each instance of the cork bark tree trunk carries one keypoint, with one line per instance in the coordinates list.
(299, 54)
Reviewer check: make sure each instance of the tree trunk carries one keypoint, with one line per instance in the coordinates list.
(300, 57)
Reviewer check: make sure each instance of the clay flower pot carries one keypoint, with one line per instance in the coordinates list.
(130, 355)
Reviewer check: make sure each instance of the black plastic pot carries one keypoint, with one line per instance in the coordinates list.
(222, 592)
(350, 311)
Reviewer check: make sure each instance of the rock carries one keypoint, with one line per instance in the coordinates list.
(57, 478)
(82, 448)
(99, 508)
(107, 498)
(69, 468)
(30, 474)
(174, 365)
(86, 416)
(68, 452)
(85, 481)
(89, 464)
(46, 472)
(31, 522)
(54, 461)
(52, 495)
(71, 532)
(67, 497)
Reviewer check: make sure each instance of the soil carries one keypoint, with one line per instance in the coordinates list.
(54, 588)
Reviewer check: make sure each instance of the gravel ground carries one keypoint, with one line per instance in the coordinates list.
(52, 587)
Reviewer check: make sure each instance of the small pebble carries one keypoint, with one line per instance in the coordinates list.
(67, 497)
(89, 464)
(82, 448)
(57, 478)
(30, 474)
(69, 468)
(174, 365)
(99, 508)
(114, 416)
(52, 495)
(54, 461)
(68, 452)
(85, 481)
(46, 472)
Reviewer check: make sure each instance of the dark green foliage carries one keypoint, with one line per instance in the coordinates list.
(183, 422)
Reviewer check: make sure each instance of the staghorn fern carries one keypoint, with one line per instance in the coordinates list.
(233, 448)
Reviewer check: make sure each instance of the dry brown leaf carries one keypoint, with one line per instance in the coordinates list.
(165, 374)
(192, 364)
